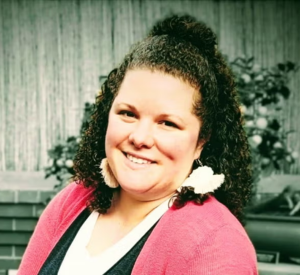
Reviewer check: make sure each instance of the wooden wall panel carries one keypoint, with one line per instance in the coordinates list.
(2, 100)
(53, 52)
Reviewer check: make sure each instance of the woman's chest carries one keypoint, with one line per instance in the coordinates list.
(106, 233)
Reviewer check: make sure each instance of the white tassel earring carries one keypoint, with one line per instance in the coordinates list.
(108, 175)
(203, 180)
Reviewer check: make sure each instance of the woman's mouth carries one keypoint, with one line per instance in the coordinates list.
(137, 159)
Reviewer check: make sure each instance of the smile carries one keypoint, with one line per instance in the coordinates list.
(137, 160)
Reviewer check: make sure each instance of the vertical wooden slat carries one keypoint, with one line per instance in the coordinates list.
(11, 46)
(2, 93)
(48, 79)
(291, 51)
(248, 28)
(89, 33)
(31, 144)
(231, 28)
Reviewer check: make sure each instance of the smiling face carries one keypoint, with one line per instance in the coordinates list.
(152, 135)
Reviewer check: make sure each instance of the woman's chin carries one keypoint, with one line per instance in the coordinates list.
(137, 189)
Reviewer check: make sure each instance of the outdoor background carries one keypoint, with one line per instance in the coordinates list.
(53, 52)
(52, 55)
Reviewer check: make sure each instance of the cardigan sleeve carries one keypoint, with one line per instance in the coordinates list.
(228, 251)
(49, 228)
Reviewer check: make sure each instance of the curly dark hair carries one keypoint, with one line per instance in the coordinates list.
(187, 49)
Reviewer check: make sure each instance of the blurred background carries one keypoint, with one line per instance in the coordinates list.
(54, 55)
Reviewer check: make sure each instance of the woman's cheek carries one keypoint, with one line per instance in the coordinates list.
(169, 142)
(118, 129)
(113, 131)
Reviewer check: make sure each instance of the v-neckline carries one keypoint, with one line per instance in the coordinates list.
(106, 259)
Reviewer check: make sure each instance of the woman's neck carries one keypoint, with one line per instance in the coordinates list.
(130, 210)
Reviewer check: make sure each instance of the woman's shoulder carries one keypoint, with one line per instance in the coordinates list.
(71, 200)
(200, 221)
(53, 223)
(65, 207)
(74, 194)
(198, 239)
(71, 190)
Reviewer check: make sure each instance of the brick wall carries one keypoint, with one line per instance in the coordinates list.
(20, 207)
(19, 212)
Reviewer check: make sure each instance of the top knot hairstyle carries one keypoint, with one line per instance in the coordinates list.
(188, 29)
(187, 49)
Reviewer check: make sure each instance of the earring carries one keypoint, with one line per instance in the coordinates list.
(203, 180)
(198, 161)
(108, 175)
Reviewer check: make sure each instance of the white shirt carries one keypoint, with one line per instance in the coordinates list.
(78, 261)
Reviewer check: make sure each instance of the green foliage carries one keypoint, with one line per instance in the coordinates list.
(63, 153)
(263, 94)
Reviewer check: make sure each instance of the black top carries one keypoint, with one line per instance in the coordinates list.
(54, 260)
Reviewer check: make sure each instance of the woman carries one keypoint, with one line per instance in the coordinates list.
(174, 170)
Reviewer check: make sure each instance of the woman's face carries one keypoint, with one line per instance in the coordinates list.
(152, 134)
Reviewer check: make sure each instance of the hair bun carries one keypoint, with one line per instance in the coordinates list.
(187, 28)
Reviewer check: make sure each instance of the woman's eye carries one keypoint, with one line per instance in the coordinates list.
(169, 124)
(127, 113)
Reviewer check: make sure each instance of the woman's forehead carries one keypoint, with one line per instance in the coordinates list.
(145, 79)
(156, 94)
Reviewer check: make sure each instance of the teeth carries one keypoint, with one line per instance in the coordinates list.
(137, 160)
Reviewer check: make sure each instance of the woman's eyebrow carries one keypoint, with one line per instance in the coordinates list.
(170, 115)
(124, 104)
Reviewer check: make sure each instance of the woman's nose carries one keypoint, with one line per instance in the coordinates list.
(142, 135)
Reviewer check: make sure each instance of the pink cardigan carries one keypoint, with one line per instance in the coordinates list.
(192, 240)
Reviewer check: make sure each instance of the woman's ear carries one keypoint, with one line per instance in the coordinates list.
(199, 149)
